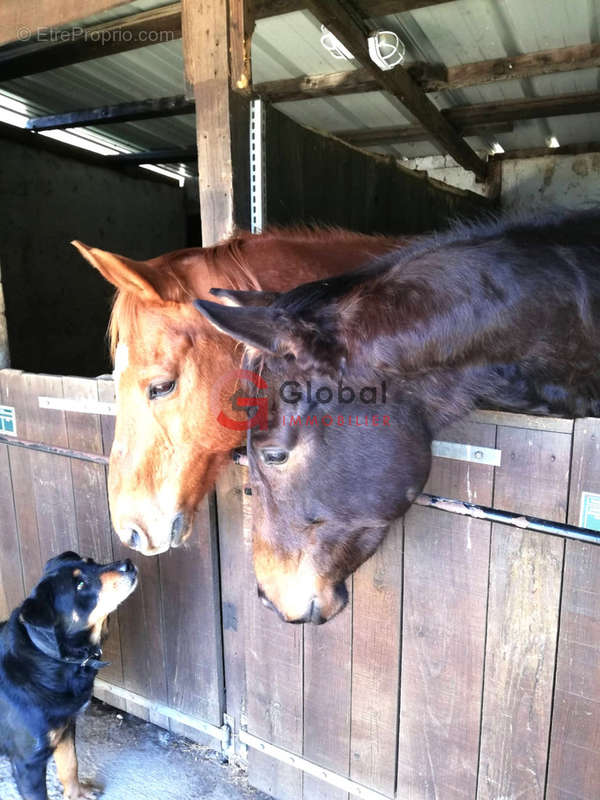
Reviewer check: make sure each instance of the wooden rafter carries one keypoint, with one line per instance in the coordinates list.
(347, 26)
(538, 152)
(437, 77)
(368, 8)
(470, 117)
(415, 133)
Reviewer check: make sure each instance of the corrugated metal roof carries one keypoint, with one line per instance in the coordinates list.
(289, 46)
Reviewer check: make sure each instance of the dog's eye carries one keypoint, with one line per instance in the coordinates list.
(273, 456)
(160, 389)
(80, 586)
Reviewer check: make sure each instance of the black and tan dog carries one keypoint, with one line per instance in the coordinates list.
(50, 651)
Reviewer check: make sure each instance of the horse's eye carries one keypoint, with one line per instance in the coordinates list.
(274, 456)
(160, 389)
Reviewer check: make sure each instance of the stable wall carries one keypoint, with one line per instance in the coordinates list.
(57, 306)
(570, 181)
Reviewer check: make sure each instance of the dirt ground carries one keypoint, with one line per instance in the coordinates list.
(134, 760)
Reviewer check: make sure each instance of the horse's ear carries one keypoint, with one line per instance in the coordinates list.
(124, 273)
(253, 325)
(241, 299)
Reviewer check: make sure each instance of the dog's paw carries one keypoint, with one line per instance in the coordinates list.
(84, 791)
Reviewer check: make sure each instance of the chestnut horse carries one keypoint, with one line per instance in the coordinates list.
(175, 374)
(364, 369)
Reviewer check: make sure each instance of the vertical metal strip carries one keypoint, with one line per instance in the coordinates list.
(257, 166)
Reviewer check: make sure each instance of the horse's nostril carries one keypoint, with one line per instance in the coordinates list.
(134, 539)
(177, 529)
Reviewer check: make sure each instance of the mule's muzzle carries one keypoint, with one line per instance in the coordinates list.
(317, 612)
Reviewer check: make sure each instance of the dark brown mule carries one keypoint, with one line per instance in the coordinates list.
(174, 372)
(501, 314)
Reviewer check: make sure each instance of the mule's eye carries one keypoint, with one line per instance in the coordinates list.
(80, 586)
(160, 389)
(274, 456)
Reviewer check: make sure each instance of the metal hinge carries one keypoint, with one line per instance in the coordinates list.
(467, 452)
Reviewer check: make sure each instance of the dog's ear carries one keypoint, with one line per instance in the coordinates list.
(39, 618)
(54, 563)
(38, 609)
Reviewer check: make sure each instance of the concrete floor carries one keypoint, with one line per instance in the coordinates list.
(133, 760)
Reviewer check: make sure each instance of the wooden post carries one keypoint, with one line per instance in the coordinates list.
(217, 62)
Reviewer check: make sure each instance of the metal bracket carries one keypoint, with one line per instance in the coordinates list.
(467, 452)
(258, 196)
(293, 760)
(228, 729)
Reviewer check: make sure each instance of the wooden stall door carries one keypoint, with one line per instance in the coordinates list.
(165, 641)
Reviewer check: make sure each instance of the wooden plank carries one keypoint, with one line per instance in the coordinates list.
(525, 584)
(52, 481)
(557, 424)
(274, 678)
(140, 619)
(349, 29)
(446, 564)
(377, 604)
(575, 739)
(161, 24)
(131, 111)
(12, 588)
(236, 584)
(327, 701)
(92, 517)
(437, 77)
(189, 583)
(15, 394)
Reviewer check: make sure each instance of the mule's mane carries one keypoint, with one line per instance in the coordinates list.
(555, 226)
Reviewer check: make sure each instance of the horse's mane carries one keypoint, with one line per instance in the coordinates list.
(225, 264)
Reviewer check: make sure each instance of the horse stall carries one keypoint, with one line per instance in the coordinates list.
(466, 662)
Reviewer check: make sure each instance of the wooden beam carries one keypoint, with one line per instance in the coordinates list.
(527, 108)
(341, 19)
(368, 8)
(18, 18)
(414, 133)
(473, 118)
(215, 43)
(538, 152)
(528, 65)
(105, 39)
(152, 108)
(436, 77)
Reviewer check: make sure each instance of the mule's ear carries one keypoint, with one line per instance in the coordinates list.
(253, 325)
(124, 273)
(240, 299)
